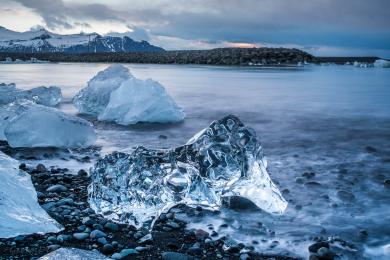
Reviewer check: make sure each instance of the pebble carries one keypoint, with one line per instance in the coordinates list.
(102, 240)
(345, 195)
(111, 226)
(172, 224)
(82, 173)
(175, 256)
(53, 247)
(57, 188)
(97, 234)
(80, 236)
(41, 168)
(201, 234)
(146, 239)
(107, 249)
(325, 253)
(314, 247)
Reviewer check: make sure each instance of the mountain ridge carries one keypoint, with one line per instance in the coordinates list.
(42, 40)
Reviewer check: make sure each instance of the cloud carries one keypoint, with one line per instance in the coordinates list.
(358, 24)
(56, 14)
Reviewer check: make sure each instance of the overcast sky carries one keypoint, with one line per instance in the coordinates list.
(321, 27)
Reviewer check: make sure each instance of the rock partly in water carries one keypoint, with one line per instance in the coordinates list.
(224, 159)
(20, 212)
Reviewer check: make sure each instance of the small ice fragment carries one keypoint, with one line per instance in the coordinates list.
(20, 213)
(225, 159)
(47, 96)
(382, 63)
(26, 124)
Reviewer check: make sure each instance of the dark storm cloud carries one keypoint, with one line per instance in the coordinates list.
(354, 23)
(57, 14)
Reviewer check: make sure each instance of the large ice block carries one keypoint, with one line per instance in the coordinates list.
(26, 124)
(93, 99)
(141, 101)
(20, 213)
(117, 96)
(225, 159)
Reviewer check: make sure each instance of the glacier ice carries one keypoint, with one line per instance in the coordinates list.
(117, 96)
(141, 101)
(93, 99)
(26, 124)
(382, 63)
(73, 254)
(223, 160)
(20, 213)
(47, 96)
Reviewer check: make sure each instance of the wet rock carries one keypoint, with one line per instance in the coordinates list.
(312, 184)
(345, 195)
(146, 239)
(111, 226)
(102, 240)
(314, 247)
(309, 175)
(82, 173)
(387, 182)
(124, 253)
(299, 180)
(23, 166)
(175, 256)
(201, 234)
(57, 188)
(95, 234)
(107, 249)
(371, 149)
(80, 236)
(164, 137)
(53, 247)
(41, 168)
(324, 254)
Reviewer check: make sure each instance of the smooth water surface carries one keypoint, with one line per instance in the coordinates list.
(325, 130)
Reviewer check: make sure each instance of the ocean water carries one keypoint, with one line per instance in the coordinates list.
(325, 131)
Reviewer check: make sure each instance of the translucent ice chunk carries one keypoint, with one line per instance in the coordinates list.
(20, 213)
(141, 101)
(94, 98)
(26, 124)
(224, 159)
(47, 96)
(382, 63)
(73, 254)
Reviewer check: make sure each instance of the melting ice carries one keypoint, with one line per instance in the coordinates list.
(26, 124)
(47, 96)
(225, 159)
(20, 212)
(117, 96)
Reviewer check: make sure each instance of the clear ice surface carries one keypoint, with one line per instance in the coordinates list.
(73, 254)
(223, 160)
(93, 99)
(47, 96)
(20, 213)
(141, 101)
(26, 124)
(117, 96)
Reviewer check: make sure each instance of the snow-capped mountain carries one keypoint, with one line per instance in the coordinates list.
(42, 40)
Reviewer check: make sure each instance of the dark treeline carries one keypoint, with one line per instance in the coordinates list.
(222, 56)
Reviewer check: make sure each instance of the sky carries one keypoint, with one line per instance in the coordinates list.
(321, 27)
